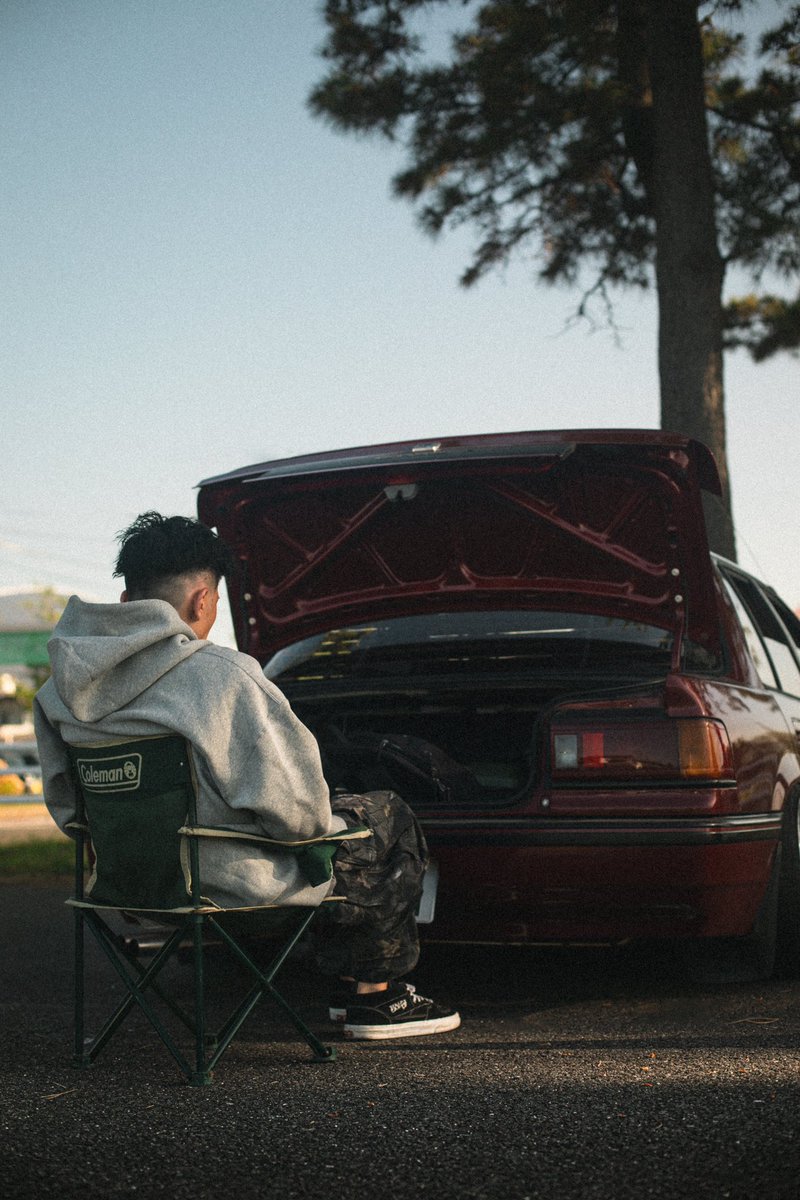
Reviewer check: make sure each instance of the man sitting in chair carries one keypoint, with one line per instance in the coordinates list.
(143, 668)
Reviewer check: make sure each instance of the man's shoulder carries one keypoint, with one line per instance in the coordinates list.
(232, 666)
(225, 658)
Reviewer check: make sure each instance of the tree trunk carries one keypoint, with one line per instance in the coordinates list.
(689, 268)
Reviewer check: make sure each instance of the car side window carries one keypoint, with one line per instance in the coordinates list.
(754, 644)
(775, 637)
(790, 620)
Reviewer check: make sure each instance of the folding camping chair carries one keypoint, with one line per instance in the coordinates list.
(137, 806)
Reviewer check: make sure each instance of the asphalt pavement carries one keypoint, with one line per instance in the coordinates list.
(575, 1074)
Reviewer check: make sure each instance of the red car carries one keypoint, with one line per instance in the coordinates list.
(525, 634)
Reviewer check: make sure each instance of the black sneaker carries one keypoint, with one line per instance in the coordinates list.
(396, 1013)
(338, 1001)
(345, 995)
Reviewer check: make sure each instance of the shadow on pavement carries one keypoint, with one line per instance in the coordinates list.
(575, 1074)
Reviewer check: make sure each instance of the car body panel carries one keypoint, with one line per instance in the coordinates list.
(537, 893)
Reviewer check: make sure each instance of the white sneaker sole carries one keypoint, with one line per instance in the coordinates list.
(379, 1033)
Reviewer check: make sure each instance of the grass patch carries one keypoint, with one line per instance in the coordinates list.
(37, 857)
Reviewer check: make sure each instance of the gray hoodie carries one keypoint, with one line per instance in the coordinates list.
(134, 670)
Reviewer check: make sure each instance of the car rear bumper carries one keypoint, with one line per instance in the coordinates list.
(604, 831)
(601, 880)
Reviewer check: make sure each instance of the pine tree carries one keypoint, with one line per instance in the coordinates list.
(616, 137)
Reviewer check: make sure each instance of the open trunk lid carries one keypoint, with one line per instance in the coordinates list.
(606, 521)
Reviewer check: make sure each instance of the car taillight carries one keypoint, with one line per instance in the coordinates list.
(688, 748)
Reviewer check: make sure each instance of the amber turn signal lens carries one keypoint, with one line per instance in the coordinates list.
(704, 749)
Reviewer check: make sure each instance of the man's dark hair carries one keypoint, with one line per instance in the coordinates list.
(155, 552)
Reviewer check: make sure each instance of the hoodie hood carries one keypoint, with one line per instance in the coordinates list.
(103, 656)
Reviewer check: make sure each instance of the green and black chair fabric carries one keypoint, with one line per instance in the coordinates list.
(137, 809)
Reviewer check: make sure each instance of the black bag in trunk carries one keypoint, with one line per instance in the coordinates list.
(416, 769)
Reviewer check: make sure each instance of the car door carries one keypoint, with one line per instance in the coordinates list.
(773, 637)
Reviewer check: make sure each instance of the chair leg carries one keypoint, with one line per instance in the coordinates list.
(202, 1076)
(135, 989)
(320, 1052)
(208, 1051)
(80, 1058)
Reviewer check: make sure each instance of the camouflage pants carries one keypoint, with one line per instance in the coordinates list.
(372, 936)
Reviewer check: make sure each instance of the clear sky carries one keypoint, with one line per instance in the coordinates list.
(196, 275)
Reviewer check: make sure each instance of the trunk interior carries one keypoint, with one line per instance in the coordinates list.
(481, 746)
(453, 709)
(464, 747)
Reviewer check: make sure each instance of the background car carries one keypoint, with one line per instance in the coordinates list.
(525, 634)
(20, 770)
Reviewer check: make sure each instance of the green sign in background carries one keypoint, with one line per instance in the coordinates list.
(24, 649)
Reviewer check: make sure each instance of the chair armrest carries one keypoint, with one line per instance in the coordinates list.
(352, 833)
(314, 855)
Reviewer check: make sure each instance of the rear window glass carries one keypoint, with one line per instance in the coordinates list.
(505, 642)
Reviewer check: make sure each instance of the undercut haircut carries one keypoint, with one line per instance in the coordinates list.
(157, 554)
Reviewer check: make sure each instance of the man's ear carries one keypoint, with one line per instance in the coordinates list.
(124, 597)
(196, 603)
